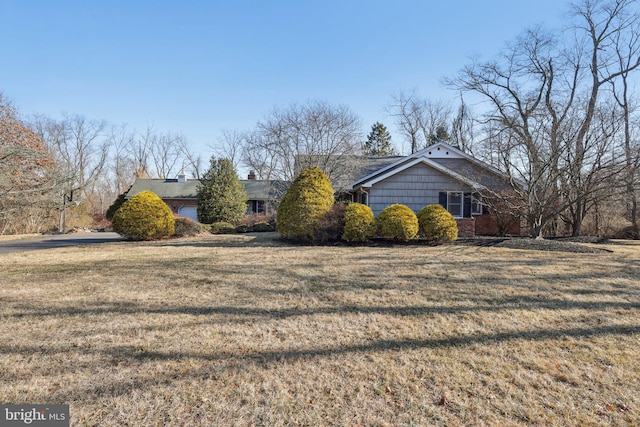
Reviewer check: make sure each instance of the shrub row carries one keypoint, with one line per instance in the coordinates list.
(307, 213)
(146, 217)
(398, 222)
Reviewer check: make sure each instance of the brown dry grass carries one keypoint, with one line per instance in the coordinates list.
(226, 330)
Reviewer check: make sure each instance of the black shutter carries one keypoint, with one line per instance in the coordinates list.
(443, 199)
(466, 208)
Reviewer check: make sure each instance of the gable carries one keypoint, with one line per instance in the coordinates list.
(416, 187)
(410, 163)
(446, 159)
(474, 172)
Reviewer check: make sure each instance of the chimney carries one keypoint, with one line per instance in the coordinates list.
(251, 175)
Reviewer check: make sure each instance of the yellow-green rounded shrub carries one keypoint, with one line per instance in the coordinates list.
(308, 199)
(144, 217)
(437, 224)
(398, 222)
(359, 223)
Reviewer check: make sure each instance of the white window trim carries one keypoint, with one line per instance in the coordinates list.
(461, 204)
(478, 203)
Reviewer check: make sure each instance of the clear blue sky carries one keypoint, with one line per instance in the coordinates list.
(198, 67)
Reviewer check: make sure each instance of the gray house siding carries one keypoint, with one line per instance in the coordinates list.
(475, 172)
(414, 187)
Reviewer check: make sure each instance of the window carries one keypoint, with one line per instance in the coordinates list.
(363, 198)
(461, 205)
(454, 203)
(476, 204)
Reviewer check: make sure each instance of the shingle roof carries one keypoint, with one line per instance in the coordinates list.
(172, 189)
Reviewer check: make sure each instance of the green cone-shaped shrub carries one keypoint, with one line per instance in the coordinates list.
(359, 223)
(221, 196)
(437, 224)
(398, 222)
(144, 217)
(308, 199)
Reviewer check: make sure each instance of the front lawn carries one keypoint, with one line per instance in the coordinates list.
(245, 330)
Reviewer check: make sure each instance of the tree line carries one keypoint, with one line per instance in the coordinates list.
(556, 110)
(57, 174)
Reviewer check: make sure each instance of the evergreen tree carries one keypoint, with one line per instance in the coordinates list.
(221, 196)
(379, 142)
(441, 135)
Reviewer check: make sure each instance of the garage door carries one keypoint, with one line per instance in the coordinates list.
(190, 212)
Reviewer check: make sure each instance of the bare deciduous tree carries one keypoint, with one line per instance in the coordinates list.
(550, 121)
(165, 155)
(191, 159)
(462, 129)
(312, 134)
(80, 148)
(626, 49)
(229, 146)
(420, 120)
(122, 166)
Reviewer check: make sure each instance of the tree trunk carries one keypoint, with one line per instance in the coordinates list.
(536, 227)
(634, 217)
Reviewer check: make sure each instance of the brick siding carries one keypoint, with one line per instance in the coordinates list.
(466, 227)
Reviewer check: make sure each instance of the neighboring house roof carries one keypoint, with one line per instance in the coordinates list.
(344, 169)
(166, 188)
(442, 157)
(174, 189)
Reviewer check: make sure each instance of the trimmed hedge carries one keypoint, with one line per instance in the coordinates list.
(243, 228)
(144, 217)
(359, 223)
(437, 224)
(262, 227)
(185, 227)
(307, 200)
(398, 222)
(222, 227)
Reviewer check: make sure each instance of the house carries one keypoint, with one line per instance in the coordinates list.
(440, 174)
(181, 194)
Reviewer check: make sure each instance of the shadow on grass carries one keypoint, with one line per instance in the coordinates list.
(481, 305)
(382, 345)
(234, 360)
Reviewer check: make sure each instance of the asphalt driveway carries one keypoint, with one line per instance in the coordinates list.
(58, 241)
